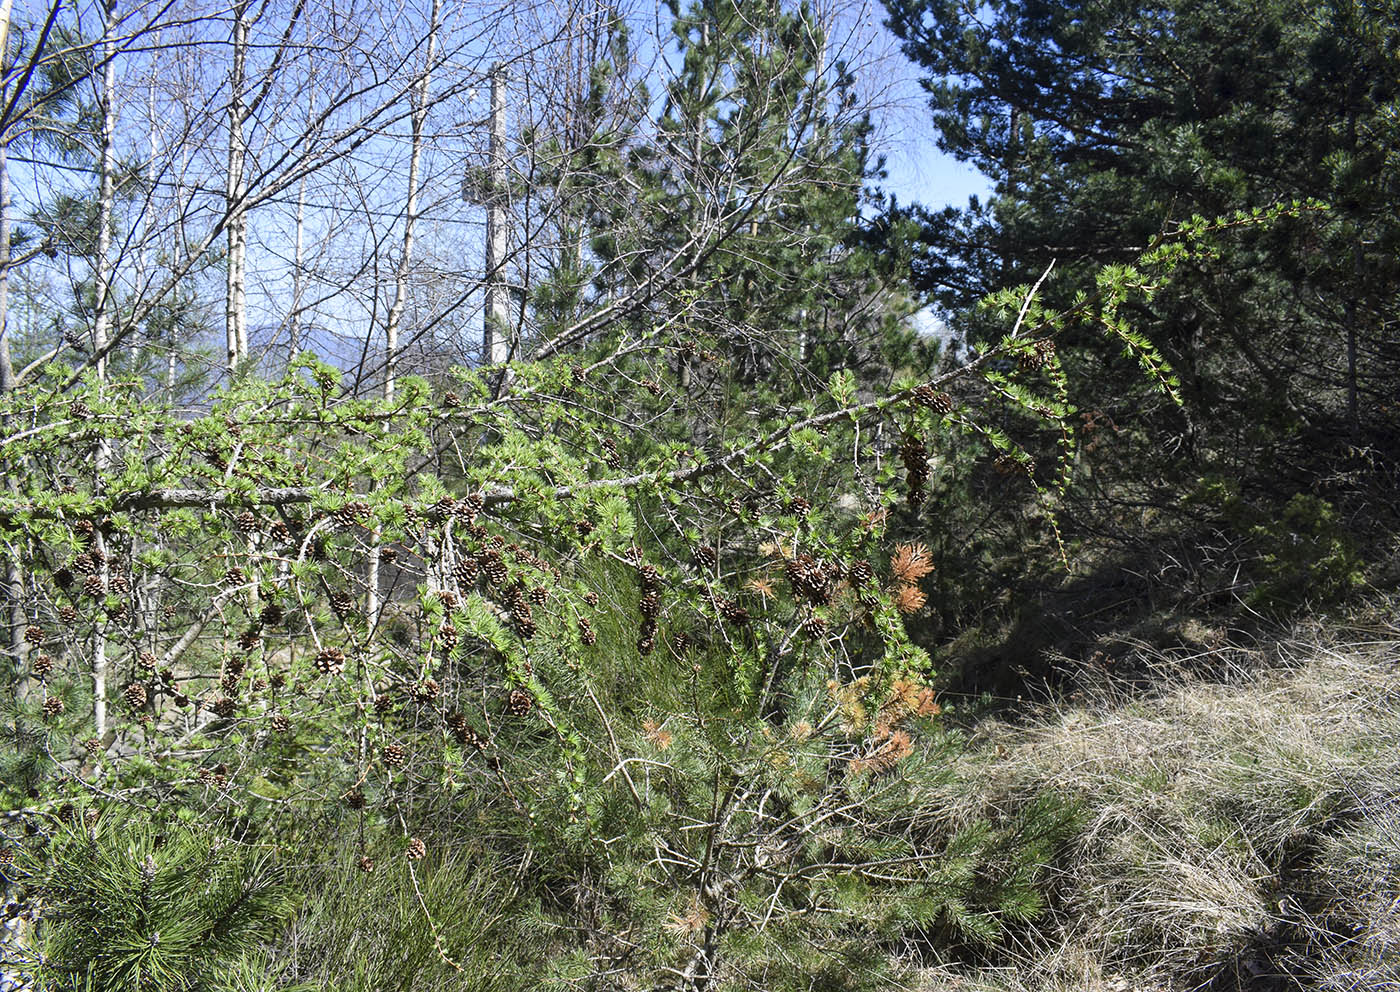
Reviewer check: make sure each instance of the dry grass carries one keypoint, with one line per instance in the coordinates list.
(1239, 833)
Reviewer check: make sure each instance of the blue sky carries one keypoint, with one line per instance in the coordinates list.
(926, 175)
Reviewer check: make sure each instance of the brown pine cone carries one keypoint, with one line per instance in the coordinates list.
(135, 694)
(330, 661)
(416, 850)
(394, 755)
(519, 702)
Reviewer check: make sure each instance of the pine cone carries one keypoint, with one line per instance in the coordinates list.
(519, 702)
(93, 747)
(416, 850)
(447, 635)
(470, 507)
(860, 572)
(539, 595)
(42, 665)
(814, 626)
(34, 634)
(135, 694)
(351, 513)
(732, 611)
(465, 571)
(53, 706)
(426, 691)
(366, 864)
(591, 598)
(330, 661)
(494, 567)
(809, 579)
(224, 707)
(279, 723)
(394, 755)
(247, 521)
(469, 736)
(915, 457)
(355, 798)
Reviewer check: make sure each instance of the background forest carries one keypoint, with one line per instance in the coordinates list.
(510, 498)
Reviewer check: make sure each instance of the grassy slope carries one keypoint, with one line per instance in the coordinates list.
(1237, 833)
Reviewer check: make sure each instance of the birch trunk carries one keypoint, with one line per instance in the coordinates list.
(391, 328)
(235, 308)
(101, 333)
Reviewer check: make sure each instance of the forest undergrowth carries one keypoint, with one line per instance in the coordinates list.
(1237, 819)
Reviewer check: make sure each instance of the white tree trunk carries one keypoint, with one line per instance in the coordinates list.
(101, 333)
(235, 307)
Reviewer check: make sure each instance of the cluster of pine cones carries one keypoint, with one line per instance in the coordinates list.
(648, 605)
(915, 457)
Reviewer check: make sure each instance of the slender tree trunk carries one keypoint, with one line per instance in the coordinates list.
(418, 116)
(235, 308)
(101, 334)
(497, 342)
(15, 619)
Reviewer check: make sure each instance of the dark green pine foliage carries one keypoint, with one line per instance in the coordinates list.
(739, 201)
(1104, 123)
(139, 907)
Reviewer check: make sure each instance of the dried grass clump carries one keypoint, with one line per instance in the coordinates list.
(1243, 835)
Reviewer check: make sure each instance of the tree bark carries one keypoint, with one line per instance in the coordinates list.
(101, 331)
(235, 307)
